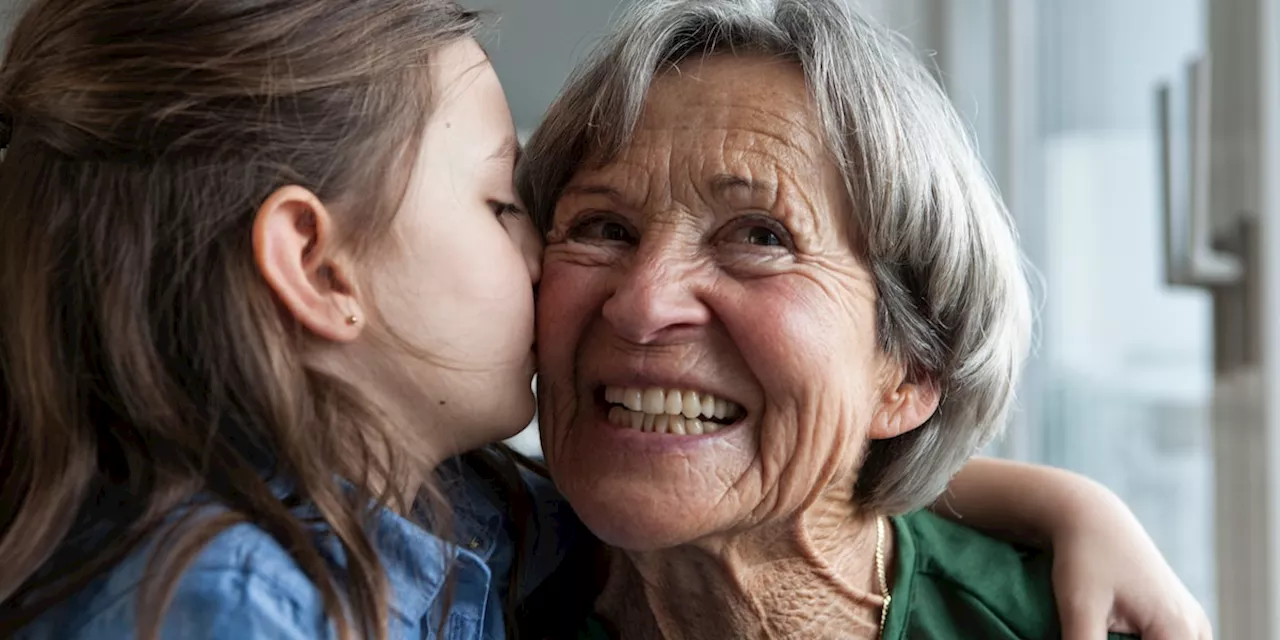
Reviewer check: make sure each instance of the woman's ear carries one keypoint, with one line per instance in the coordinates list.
(296, 252)
(904, 407)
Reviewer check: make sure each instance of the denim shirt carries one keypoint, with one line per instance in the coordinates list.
(244, 585)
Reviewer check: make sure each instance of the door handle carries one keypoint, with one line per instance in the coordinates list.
(1191, 259)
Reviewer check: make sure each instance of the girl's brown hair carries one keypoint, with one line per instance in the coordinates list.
(144, 364)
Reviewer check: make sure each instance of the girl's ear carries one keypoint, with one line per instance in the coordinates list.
(295, 250)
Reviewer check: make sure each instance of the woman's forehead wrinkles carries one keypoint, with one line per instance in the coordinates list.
(726, 149)
(781, 131)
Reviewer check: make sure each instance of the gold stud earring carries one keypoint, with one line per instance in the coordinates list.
(353, 320)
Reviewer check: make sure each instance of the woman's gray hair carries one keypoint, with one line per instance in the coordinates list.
(953, 302)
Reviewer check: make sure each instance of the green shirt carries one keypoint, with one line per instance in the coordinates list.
(951, 582)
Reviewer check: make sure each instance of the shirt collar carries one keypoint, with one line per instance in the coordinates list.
(415, 559)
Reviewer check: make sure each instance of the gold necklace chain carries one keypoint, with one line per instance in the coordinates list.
(881, 575)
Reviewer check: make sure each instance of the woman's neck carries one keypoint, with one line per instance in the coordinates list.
(813, 577)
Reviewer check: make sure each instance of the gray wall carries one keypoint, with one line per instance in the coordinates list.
(8, 16)
(535, 44)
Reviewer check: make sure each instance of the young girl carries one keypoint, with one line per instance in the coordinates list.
(263, 277)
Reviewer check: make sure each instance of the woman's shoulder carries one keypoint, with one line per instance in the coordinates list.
(242, 584)
(952, 581)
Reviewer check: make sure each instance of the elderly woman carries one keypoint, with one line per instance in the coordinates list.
(788, 305)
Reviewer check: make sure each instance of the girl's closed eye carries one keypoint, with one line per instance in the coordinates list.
(501, 208)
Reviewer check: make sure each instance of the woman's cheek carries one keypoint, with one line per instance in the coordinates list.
(569, 297)
(563, 298)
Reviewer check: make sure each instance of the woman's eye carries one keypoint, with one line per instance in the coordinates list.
(602, 230)
(763, 237)
(759, 231)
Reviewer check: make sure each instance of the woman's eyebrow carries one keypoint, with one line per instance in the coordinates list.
(728, 182)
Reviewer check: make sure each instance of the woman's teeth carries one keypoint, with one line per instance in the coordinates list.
(669, 411)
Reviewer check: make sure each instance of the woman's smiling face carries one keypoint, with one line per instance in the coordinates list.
(707, 337)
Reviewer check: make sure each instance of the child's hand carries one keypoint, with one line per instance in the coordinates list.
(1109, 576)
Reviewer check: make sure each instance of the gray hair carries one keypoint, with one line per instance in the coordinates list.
(953, 303)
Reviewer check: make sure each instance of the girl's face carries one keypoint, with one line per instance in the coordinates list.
(454, 289)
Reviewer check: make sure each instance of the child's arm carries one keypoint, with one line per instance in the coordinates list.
(1107, 573)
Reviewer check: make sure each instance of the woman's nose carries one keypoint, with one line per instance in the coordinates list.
(655, 297)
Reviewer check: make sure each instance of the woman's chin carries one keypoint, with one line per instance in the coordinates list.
(637, 518)
(635, 533)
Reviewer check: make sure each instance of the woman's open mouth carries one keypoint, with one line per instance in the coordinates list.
(670, 411)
